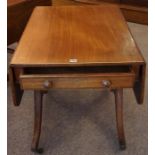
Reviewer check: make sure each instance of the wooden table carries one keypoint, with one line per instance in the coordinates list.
(77, 47)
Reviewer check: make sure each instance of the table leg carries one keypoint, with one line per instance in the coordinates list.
(38, 96)
(119, 117)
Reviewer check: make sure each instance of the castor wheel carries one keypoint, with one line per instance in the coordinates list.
(122, 146)
(39, 150)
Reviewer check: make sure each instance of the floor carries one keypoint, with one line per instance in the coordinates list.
(81, 122)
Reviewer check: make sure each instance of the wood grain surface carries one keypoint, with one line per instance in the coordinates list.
(88, 34)
(60, 36)
(132, 11)
(116, 80)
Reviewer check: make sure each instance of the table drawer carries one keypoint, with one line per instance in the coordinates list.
(99, 80)
(43, 78)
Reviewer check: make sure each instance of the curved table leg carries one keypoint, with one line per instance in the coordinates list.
(38, 95)
(119, 117)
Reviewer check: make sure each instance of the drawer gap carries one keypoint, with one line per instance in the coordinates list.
(77, 70)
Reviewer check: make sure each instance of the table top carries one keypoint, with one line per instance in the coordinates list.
(76, 35)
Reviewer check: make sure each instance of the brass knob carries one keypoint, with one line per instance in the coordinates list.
(106, 83)
(47, 84)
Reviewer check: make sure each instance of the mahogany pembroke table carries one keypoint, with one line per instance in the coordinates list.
(77, 47)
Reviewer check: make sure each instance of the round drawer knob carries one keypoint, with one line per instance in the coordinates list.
(106, 83)
(47, 84)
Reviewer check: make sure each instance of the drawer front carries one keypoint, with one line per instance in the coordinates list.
(43, 82)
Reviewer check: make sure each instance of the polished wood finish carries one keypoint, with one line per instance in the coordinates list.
(18, 13)
(89, 42)
(119, 116)
(17, 93)
(139, 85)
(38, 99)
(133, 10)
(63, 81)
(95, 50)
